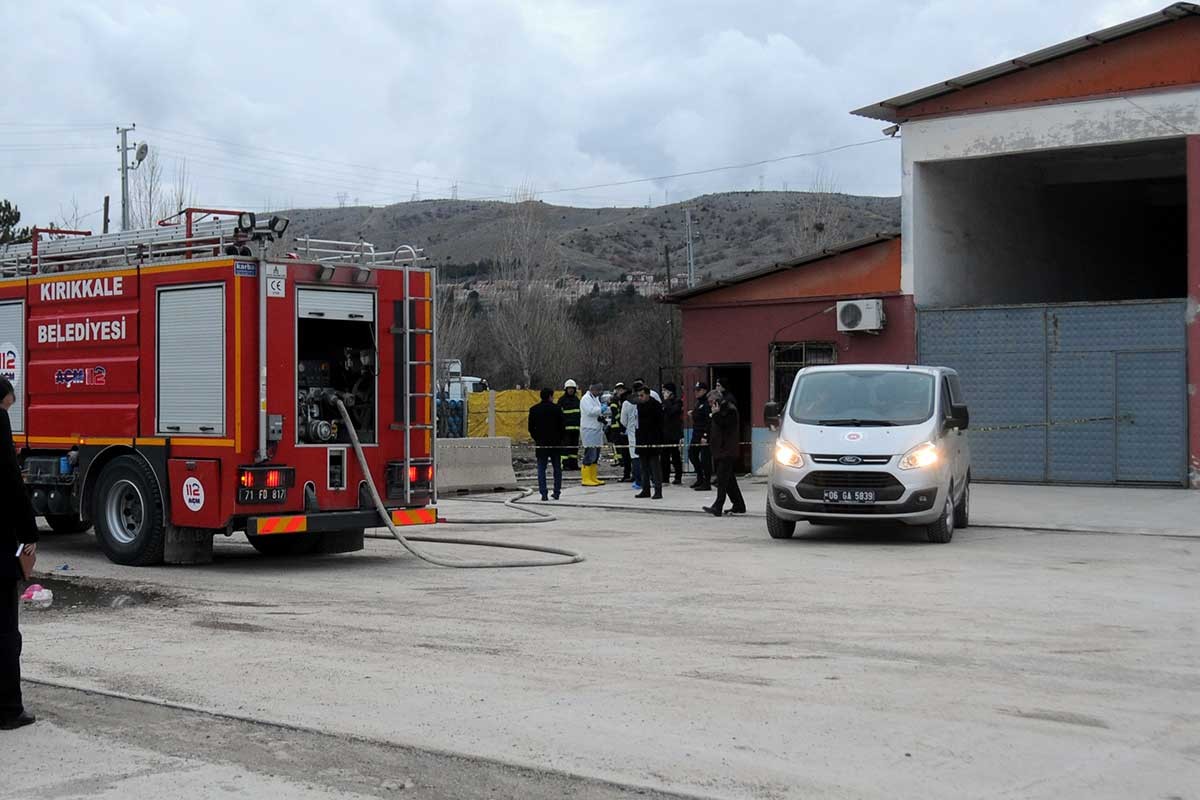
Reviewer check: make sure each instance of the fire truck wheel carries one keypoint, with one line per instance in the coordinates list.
(130, 524)
(350, 541)
(292, 544)
(67, 523)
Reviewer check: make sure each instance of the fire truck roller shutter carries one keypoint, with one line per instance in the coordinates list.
(191, 360)
(336, 304)
(12, 356)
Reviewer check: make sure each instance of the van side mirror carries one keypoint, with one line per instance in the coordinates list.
(960, 417)
(771, 415)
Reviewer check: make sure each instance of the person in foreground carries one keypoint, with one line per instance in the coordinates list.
(723, 434)
(18, 526)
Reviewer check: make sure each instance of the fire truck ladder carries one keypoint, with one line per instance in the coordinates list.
(78, 251)
(415, 367)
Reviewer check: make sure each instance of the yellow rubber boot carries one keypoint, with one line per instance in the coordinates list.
(588, 476)
(596, 476)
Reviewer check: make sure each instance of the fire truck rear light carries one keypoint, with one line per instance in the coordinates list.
(266, 477)
(422, 474)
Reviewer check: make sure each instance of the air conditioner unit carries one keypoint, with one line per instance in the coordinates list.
(858, 316)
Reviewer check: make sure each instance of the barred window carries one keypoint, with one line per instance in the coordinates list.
(788, 358)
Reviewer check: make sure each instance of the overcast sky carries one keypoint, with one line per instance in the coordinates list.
(289, 104)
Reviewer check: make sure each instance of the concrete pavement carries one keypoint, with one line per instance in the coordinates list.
(688, 653)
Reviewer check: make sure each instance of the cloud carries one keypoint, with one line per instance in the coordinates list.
(278, 104)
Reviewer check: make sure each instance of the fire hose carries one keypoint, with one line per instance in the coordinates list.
(568, 556)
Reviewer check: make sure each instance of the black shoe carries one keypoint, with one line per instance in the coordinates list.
(544, 498)
(657, 494)
(644, 493)
(716, 512)
(557, 496)
(703, 487)
(19, 721)
(741, 510)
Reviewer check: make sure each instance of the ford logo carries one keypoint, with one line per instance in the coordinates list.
(849, 460)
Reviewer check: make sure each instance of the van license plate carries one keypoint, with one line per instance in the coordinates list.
(250, 497)
(849, 496)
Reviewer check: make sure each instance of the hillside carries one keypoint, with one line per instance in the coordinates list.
(733, 232)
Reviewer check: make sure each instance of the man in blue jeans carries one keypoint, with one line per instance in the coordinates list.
(547, 426)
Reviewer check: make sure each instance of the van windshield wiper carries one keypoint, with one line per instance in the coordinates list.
(857, 423)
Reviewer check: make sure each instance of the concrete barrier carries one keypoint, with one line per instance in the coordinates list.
(481, 464)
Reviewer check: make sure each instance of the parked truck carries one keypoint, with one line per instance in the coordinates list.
(182, 382)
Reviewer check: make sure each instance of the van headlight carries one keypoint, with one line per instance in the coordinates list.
(787, 455)
(921, 456)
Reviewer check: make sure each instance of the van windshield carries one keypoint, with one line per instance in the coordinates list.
(863, 398)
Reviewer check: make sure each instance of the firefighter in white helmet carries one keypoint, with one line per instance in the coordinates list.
(569, 403)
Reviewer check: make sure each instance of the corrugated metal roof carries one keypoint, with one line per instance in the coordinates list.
(890, 110)
(711, 286)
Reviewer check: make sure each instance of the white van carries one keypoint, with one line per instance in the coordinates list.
(871, 442)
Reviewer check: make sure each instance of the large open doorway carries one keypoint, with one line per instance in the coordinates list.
(1054, 282)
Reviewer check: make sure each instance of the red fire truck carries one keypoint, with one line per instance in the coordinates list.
(182, 382)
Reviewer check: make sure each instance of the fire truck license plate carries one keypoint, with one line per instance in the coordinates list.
(257, 496)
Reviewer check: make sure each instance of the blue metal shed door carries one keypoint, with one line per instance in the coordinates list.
(1087, 393)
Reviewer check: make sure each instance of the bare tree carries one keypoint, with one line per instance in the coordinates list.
(822, 220)
(455, 327)
(69, 217)
(530, 324)
(151, 199)
(146, 192)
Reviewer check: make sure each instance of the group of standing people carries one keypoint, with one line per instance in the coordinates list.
(646, 429)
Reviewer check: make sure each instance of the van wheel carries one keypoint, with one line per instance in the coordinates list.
(776, 526)
(67, 523)
(130, 520)
(962, 509)
(287, 544)
(942, 531)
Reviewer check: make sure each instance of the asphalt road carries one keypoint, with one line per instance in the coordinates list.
(688, 654)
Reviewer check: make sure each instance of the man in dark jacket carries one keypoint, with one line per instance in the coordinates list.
(649, 441)
(547, 426)
(672, 434)
(17, 525)
(725, 452)
(699, 452)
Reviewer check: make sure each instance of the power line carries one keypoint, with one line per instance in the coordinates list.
(724, 168)
(290, 154)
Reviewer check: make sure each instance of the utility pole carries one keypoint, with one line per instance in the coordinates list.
(670, 311)
(105, 214)
(125, 148)
(687, 213)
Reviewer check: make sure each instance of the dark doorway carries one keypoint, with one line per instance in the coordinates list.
(736, 380)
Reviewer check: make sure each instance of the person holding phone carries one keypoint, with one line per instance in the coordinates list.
(18, 535)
